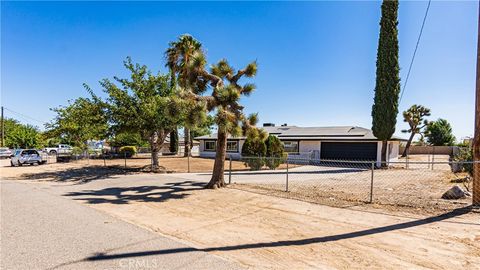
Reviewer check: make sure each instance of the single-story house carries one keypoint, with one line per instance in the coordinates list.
(317, 143)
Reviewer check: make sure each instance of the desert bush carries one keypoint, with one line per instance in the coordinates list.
(77, 150)
(129, 151)
(253, 153)
(275, 152)
(465, 154)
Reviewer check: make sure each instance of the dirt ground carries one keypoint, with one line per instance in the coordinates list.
(171, 164)
(418, 188)
(266, 232)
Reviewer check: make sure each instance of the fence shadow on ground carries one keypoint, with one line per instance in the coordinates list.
(125, 195)
(298, 242)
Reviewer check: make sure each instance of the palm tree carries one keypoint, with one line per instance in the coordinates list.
(182, 60)
(414, 116)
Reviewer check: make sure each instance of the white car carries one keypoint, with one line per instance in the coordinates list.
(26, 156)
(5, 152)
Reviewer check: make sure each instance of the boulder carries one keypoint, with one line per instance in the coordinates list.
(454, 193)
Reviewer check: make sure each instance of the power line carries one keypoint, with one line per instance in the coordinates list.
(24, 116)
(414, 52)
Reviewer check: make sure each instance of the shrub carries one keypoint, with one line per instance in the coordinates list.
(174, 141)
(439, 133)
(77, 150)
(253, 153)
(465, 154)
(129, 151)
(275, 152)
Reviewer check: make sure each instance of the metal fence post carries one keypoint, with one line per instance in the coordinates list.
(125, 158)
(104, 161)
(408, 155)
(286, 184)
(230, 171)
(433, 155)
(371, 182)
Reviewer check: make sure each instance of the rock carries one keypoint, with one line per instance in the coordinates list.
(454, 193)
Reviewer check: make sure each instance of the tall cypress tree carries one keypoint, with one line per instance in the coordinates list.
(174, 141)
(387, 86)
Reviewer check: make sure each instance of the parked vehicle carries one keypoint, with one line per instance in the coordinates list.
(60, 150)
(5, 152)
(26, 156)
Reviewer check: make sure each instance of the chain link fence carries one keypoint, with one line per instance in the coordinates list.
(409, 182)
(344, 183)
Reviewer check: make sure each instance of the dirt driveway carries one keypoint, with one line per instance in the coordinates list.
(264, 232)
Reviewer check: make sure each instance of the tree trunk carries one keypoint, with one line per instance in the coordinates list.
(156, 142)
(154, 160)
(407, 147)
(217, 180)
(384, 154)
(186, 141)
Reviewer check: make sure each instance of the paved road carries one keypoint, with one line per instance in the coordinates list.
(42, 230)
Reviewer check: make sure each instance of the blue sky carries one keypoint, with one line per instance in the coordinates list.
(316, 59)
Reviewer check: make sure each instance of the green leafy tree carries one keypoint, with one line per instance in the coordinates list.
(439, 133)
(387, 86)
(254, 149)
(148, 105)
(174, 141)
(81, 120)
(181, 59)
(128, 138)
(414, 116)
(18, 135)
(275, 152)
(204, 128)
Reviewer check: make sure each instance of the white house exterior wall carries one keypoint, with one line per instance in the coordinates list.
(307, 146)
(310, 146)
(212, 154)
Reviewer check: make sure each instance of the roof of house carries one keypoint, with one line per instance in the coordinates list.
(315, 133)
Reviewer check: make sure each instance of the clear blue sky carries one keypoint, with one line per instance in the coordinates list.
(316, 59)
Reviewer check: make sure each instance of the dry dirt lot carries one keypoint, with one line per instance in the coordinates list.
(265, 232)
(418, 188)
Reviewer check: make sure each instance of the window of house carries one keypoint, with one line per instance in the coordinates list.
(290, 146)
(232, 146)
(210, 145)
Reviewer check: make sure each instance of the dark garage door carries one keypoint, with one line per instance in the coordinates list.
(349, 150)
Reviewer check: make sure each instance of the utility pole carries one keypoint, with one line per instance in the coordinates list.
(3, 130)
(476, 137)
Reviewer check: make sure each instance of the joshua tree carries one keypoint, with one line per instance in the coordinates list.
(387, 86)
(181, 57)
(229, 117)
(186, 58)
(414, 116)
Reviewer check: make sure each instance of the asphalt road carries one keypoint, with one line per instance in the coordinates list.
(42, 230)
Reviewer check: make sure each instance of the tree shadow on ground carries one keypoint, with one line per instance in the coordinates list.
(298, 242)
(125, 195)
(81, 175)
